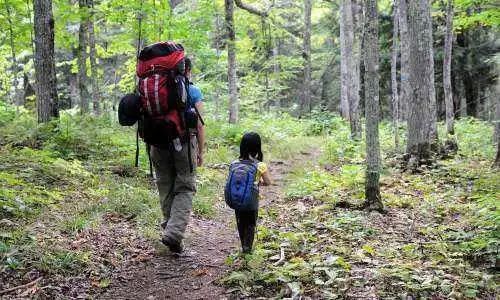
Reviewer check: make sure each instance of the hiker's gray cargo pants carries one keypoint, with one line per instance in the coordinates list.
(176, 186)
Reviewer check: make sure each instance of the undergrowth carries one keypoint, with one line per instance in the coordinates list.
(63, 183)
(439, 238)
(74, 174)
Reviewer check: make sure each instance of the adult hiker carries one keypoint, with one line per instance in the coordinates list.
(167, 106)
(176, 175)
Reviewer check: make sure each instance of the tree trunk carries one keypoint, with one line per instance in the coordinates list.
(420, 115)
(458, 93)
(497, 129)
(32, 44)
(429, 54)
(231, 62)
(218, 30)
(45, 67)
(448, 94)
(305, 105)
(276, 71)
(93, 59)
(358, 27)
(345, 60)
(15, 97)
(82, 57)
(372, 187)
(497, 120)
(405, 93)
(327, 80)
(349, 92)
(394, 73)
(30, 16)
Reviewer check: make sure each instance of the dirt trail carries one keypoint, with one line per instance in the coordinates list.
(195, 273)
(191, 275)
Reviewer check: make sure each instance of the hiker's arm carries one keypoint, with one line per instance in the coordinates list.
(200, 135)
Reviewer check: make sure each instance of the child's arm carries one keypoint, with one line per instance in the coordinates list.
(266, 179)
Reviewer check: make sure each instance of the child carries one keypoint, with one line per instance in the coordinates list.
(250, 151)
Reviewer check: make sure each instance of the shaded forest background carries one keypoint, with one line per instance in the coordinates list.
(96, 41)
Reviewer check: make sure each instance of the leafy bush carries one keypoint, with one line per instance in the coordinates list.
(7, 113)
(475, 138)
(324, 122)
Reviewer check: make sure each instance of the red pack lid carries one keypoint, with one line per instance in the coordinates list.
(159, 57)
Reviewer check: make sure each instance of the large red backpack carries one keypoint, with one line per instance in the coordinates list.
(163, 91)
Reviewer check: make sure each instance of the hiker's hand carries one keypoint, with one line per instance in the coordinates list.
(199, 159)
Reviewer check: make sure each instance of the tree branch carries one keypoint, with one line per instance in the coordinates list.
(251, 9)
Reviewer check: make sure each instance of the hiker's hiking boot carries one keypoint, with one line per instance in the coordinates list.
(173, 245)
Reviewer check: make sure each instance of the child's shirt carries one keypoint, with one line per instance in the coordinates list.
(261, 169)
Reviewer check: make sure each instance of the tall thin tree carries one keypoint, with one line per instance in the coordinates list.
(349, 98)
(448, 45)
(497, 127)
(345, 44)
(429, 41)
(45, 67)
(16, 99)
(231, 53)
(231, 62)
(305, 103)
(82, 56)
(497, 120)
(394, 72)
(358, 20)
(371, 58)
(404, 38)
(93, 58)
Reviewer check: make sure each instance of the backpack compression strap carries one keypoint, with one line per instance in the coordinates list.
(137, 147)
(190, 157)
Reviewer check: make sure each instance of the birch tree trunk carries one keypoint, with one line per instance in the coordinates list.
(82, 57)
(306, 95)
(404, 96)
(345, 62)
(372, 187)
(231, 62)
(420, 118)
(448, 93)
(45, 67)
(394, 74)
(93, 59)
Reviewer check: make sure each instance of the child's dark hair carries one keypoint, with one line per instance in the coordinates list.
(250, 146)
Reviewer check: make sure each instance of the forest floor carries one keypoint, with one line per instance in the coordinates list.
(438, 238)
(78, 221)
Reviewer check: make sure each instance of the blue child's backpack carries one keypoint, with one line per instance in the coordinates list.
(241, 192)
